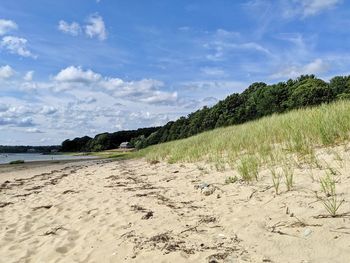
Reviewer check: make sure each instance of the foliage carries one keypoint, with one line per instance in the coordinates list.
(16, 162)
(106, 141)
(231, 180)
(24, 149)
(330, 201)
(289, 176)
(248, 168)
(276, 179)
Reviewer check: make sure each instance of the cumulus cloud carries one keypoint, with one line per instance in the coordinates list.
(96, 27)
(77, 74)
(6, 72)
(16, 45)
(29, 76)
(149, 91)
(7, 26)
(317, 66)
(22, 122)
(48, 110)
(73, 29)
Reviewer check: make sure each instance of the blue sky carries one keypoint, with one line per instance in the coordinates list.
(74, 68)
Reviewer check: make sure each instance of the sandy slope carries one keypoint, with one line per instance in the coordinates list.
(132, 211)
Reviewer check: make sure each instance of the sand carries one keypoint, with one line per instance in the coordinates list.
(134, 211)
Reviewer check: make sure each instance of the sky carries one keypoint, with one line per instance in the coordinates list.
(83, 67)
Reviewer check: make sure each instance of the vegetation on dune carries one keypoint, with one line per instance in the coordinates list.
(16, 162)
(267, 140)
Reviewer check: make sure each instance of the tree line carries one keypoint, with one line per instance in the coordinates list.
(258, 100)
(28, 149)
(105, 141)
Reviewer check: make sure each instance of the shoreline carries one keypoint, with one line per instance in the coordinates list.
(31, 168)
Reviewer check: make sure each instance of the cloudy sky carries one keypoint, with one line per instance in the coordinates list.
(73, 68)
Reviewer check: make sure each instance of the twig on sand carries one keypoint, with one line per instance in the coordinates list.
(3, 204)
(52, 231)
(190, 229)
(42, 207)
(70, 192)
(342, 232)
(347, 214)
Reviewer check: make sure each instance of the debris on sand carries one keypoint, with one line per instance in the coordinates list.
(42, 207)
(148, 215)
(208, 190)
(205, 188)
(3, 204)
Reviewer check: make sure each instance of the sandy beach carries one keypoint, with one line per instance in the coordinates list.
(135, 211)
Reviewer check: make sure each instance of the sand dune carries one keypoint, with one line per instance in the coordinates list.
(133, 211)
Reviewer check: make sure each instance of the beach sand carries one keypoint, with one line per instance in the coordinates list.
(134, 211)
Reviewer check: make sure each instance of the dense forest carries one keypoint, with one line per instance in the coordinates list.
(25, 149)
(106, 141)
(258, 100)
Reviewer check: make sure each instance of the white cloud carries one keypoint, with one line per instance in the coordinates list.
(15, 122)
(48, 110)
(77, 74)
(3, 108)
(96, 27)
(73, 29)
(314, 7)
(307, 8)
(16, 45)
(212, 71)
(29, 76)
(33, 130)
(222, 42)
(7, 26)
(317, 66)
(6, 72)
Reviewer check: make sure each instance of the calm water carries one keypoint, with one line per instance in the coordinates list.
(8, 157)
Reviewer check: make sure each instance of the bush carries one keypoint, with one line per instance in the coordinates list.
(17, 162)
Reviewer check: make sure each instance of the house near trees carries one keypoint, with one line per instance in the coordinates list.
(125, 145)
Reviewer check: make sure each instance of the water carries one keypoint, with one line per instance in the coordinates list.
(30, 157)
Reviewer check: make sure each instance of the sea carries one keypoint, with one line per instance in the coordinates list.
(30, 157)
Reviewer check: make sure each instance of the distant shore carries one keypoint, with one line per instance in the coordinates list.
(27, 169)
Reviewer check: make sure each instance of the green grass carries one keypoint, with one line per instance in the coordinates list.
(16, 162)
(330, 201)
(113, 154)
(265, 141)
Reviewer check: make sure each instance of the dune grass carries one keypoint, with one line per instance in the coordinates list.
(17, 162)
(265, 141)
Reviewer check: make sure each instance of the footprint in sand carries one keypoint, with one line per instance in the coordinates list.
(62, 250)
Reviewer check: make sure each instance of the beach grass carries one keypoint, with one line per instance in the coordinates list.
(17, 162)
(265, 141)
